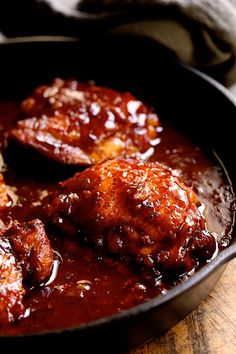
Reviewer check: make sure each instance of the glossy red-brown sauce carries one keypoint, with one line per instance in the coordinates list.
(91, 285)
(108, 106)
(82, 124)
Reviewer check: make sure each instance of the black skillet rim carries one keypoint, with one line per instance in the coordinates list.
(221, 259)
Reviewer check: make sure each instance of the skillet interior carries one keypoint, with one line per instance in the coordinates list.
(192, 101)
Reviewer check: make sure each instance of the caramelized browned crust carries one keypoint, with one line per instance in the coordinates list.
(32, 249)
(141, 211)
(83, 124)
(3, 193)
(11, 288)
(25, 255)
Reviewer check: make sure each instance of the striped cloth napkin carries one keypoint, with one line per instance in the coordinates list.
(201, 33)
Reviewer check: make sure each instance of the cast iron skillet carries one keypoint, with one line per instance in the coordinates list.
(191, 100)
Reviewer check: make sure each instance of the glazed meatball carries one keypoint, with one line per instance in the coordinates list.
(25, 256)
(141, 211)
(83, 124)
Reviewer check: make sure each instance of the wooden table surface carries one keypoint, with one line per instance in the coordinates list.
(209, 329)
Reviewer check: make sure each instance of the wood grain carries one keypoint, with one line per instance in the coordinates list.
(209, 329)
